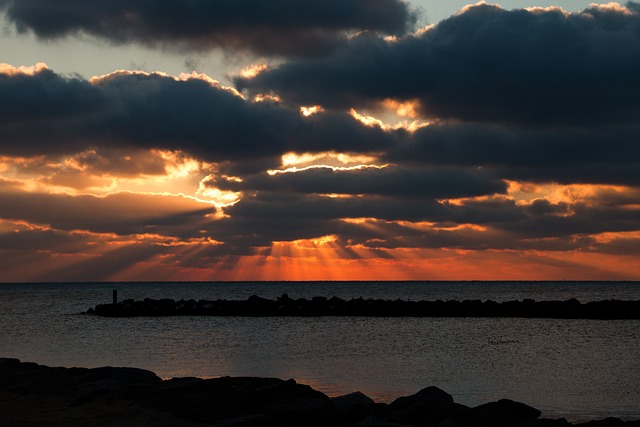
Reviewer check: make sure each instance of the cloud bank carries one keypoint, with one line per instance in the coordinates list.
(284, 27)
(535, 67)
(502, 138)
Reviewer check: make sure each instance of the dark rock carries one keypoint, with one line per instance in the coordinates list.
(245, 401)
(353, 407)
(8, 377)
(181, 383)
(89, 396)
(124, 376)
(214, 386)
(256, 390)
(262, 388)
(45, 380)
(196, 399)
(502, 412)
(110, 385)
(299, 411)
(284, 298)
(20, 390)
(222, 398)
(259, 391)
(542, 422)
(320, 306)
(450, 424)
(429, 406)
(427, 396)
(204, 407)
(245, 421)
(138, 392)
(373, 421)
(607, 422)
(88, 392)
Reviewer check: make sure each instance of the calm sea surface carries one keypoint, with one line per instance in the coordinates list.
(579, 369)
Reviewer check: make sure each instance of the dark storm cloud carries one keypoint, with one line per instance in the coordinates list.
(580, 220)
(46, 97)
(48, 114)
(389, 181)
(43, 240)
(259, 220)
(465, 238)
(287, 207)
(217, 125)
(259, 232)
(275, 216)
(120, 213)
(505, 225)
(606, 154)
(483, 212)
(485, 64)
(129, 162)
(630, 197)
(447, 159)
(618, 246)
(95, 164)
(283, 27)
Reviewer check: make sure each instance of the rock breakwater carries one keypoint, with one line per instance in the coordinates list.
(321, 306)
(34, 395)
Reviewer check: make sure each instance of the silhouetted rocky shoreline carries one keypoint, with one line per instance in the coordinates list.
(321, 306)
(37, 395)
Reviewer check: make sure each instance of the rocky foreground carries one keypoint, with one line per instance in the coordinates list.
(36, 395)
(321, 306)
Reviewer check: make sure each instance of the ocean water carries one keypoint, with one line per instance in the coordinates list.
(578, 369)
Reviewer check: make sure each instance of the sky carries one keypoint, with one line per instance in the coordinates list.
(319, 140)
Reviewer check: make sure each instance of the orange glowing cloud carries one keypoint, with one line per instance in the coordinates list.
(331, 158)
(466, 8)
(97, 80)
(295, 169)
(266, 97)
(403, 109)
(10, 70)
(253, 70)
(540, 10)
(309, 111)
(219, 197)
(372, 121)
(590, 194)
(109, 171)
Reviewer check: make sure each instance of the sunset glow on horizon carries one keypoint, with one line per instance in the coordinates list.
(371, 151)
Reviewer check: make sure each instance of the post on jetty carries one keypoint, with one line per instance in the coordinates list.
(115, 296)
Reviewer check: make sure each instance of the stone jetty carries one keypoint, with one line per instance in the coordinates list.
(37, 395)
(321, 306)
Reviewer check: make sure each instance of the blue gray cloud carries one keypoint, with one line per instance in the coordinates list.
(283, 27)
(542, 67)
